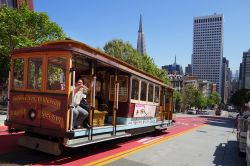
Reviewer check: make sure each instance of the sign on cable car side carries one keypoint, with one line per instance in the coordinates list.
(142, 110)
(37, 110)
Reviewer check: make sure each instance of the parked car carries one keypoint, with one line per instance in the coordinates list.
(202, 112)
(191, 111)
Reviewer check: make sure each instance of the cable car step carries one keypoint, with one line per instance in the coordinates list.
(82, 141)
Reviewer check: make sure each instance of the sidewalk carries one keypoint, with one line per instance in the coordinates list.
(3, 112)
(211, 113)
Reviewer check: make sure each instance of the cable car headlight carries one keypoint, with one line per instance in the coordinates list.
(32, 114)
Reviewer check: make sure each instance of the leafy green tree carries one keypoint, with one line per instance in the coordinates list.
(200, 100)
(193, 97)
(23, 28)
(125, 51)
(213, 99)
(178, 99)
(188, 96)
(119, 49)
(240, 97)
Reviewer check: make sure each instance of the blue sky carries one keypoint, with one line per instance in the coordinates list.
(168, 24)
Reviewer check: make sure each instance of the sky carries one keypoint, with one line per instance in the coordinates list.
(168, 24)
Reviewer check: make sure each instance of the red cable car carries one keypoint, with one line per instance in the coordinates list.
(124, 100)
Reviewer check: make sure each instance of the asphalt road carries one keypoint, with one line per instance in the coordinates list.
(211, 145)
(193, 140)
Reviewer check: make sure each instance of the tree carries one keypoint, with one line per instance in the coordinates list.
(240, 97)
(119, 49)
(200, 100)
(188, 96)
(213, 99)
(178, 99)
(23, 28)
(125, 51)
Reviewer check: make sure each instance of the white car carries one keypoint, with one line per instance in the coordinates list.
(191, 111)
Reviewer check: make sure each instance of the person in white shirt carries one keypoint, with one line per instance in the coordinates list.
(79, 114)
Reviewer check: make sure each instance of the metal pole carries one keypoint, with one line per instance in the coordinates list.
(115, 106)
(117, 95)
(8, 99)
(93, 80)
(170, 107)
(72, 100)
(164, 107)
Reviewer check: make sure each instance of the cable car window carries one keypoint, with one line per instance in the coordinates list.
(35, 73)
(123, 88)
(157, 94)
(56, 73)
(150, 93)
(18, 73)
(135, 89)
(143, 91)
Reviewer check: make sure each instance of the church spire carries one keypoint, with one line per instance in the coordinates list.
(141, 48)
(140, 25)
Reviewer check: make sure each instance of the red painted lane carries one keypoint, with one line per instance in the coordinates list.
(8, 142)
(182, 124)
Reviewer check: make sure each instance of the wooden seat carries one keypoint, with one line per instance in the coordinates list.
(99, 116)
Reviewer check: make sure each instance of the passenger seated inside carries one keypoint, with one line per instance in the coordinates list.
(80, 105)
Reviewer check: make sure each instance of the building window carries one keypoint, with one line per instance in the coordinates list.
(8, 3)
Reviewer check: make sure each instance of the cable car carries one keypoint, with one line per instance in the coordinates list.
(124, 100)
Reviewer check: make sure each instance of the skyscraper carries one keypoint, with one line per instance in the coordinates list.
(141, 47)
(225, 81)
(245, 71)
(208, 32)
(173, 68)
(188, 70)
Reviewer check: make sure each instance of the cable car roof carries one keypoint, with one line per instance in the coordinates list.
(82, 48)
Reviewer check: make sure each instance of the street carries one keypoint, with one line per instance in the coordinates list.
(192, 140)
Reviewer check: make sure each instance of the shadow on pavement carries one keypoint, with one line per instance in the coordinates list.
(24, 156)
(226, 154)
(219, 121)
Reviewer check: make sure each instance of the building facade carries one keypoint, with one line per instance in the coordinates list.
(226, 80)
(173, 68)
(208, 32)
(17, 3)
(188, 70)
(206, 87)
(245, 71)
(176, 81)
(175, 73)
(141, 46)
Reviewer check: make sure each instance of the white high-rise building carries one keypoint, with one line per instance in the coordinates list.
(208, 34)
